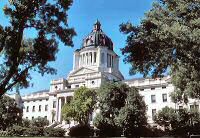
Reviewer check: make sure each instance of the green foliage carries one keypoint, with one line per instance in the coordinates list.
(54, 132)
(34, 131)
(132, 116)
(168, 37)
(20, 55)
(168, 34)
(81, 107)
(39, 122)
(26, 123)
(81, 130)
(16, 130)
(179, 122)
(122, 109)
(10, 114)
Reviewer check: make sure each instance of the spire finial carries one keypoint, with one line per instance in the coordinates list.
(97, 25)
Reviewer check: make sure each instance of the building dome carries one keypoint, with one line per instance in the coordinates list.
(97, 38)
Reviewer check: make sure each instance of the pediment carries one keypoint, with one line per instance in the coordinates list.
(82, 71)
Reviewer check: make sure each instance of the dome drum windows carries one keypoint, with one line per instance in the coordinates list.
(88, 58)
(109, 61)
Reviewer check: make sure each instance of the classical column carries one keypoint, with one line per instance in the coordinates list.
(59, 112)
(65, 99)
(57, 109)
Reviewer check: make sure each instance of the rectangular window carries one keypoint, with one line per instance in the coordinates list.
(191, 106)
(87, 57)
(141, 89)
(54, 104)
(153, 98)
(76, 86)
(39, 108)
(45, 117)
(164, 97)
(27, 109)
(46, 107)
(91, 57)
(33, 110)
(108, 60)
(95, 57)
(102, 58)
(152, 88)
(163, 87)
(32, 117)
(153, 113)
(197, 107)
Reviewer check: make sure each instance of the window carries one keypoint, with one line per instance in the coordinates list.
(93, 82)
(46, 99)
(197, 107)
(91, 57)
(152, 88)
(87, 57)
(76, 86)
(102, 58)
(108, 60)
(32, 117)
(46, 107)
(153, 113)
(163, 87)
(141, 89)
(153, 98)
(26, 117)
(95, 57)
(39, 108)
(54, 104)
(69, 87)
(27, 109)
(33, 110)
(191, 106)
(45, 117)
(164, 97)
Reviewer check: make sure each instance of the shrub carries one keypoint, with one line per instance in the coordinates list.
(26, 123)
(39, 122)
(54, 132)
(81, 130)
(34, 131)
(4, 133)
(16, 131)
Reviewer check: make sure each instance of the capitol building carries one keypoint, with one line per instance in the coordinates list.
(94, 63)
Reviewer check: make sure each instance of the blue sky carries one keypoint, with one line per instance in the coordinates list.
(82, 15)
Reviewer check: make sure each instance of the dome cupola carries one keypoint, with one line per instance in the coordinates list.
(97, 38)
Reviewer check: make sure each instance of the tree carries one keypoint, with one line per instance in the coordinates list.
(81, 107)
(179, 122)
(121, 108)
(132, 117)
(39, 122)
(10, 114)
(167, 117)
(20, 55)
(168, 37)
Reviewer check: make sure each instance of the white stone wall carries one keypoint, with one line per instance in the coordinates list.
(34, 114)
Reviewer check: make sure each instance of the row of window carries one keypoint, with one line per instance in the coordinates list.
(39, 108)
(164, 98)
(192, 107)
(110, 60)
(153, 88)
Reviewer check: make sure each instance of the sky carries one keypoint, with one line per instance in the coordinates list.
(81, 16)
